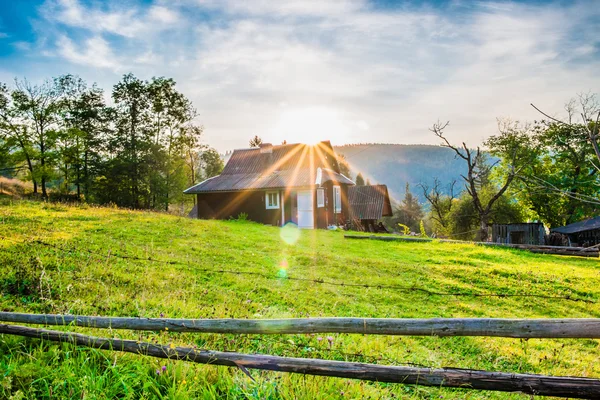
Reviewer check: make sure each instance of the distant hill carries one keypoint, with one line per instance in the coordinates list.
(397, 164)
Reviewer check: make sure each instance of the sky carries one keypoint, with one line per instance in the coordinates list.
(349, 71)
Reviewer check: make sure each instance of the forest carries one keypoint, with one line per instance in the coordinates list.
(140, 151)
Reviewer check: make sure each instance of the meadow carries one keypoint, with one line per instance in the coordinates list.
(57, 258)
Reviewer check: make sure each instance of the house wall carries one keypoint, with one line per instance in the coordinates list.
(225, 205)
(231, 204)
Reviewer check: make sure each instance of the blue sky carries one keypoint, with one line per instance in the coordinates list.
(345, 70)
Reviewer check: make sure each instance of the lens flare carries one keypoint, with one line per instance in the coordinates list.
(283, 266)
(290, 233)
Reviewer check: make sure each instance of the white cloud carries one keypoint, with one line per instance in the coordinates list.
(110, 17)
(3, 35)
(94, 52)
(385, 75)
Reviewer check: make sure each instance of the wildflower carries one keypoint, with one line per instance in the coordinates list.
(164, 368)
(183, 382)
(319, 338)
(166, 328)
(162, 315)
(158, 372)
(330, 340)
(172, 346)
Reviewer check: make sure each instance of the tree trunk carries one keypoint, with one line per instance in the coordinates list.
(482, 235)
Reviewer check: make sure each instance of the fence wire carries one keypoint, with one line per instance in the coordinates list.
(320, 281)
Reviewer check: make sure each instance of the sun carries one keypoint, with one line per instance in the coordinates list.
(310, 125)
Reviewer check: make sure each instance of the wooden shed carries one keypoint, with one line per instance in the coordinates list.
(532, 233)
(583, 233)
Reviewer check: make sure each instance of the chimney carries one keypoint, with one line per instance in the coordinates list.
(266, 148)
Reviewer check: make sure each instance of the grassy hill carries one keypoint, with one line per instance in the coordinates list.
(61, 259)
(397, 164)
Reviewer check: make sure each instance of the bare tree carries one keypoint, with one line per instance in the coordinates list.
(478, 173)
(441, 203)
(589, 110)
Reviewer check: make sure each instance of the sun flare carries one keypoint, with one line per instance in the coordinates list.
(310, 125)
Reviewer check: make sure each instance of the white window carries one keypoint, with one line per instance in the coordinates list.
(272, 200)
(320, 197)
(337, 199)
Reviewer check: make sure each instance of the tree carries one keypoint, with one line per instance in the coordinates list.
(510, 141)
(171, 114)
(440, 203)
(83, 124)
(131, 142)
(38, 107)
(256, 141)
(360, 181)
(212, 163)
(559, 181)
(15, 135)
(343, 165)
(409, 212)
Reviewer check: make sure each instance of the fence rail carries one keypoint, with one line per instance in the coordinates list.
(443, 377)
(493, 327)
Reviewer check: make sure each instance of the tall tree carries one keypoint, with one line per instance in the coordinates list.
(38, 107)
(409, 212)
(15, 134)
(83, 123)
(360, 181)
(132, 140)
(510, 140)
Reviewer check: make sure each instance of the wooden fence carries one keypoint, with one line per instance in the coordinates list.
(492, 327)
(574, 387)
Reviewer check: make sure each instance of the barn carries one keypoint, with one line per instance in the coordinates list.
(275, 185)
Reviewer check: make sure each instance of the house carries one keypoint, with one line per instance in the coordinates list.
(368, 204)
(275, 185)
(583, 233)
(532, 233)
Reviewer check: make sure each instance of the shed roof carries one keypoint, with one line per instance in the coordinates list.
(581, 226)
(369, 202)
(272, 167)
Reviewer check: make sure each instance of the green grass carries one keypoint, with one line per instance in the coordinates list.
(85, 275)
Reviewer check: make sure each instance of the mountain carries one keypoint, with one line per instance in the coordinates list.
(397, 164)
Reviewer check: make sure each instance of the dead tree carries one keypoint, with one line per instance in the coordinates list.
(477, 173)
(441, 204)
(589, 110)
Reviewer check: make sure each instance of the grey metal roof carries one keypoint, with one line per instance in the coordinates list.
(581, 226)
(369, 202)
(293, 165)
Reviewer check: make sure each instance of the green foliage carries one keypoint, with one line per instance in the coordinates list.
(405, 229)
(559, 182)
(360, 181)
(211, 163)
(422, 231)
(87, 276)
(409, 212)
(141, 153)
